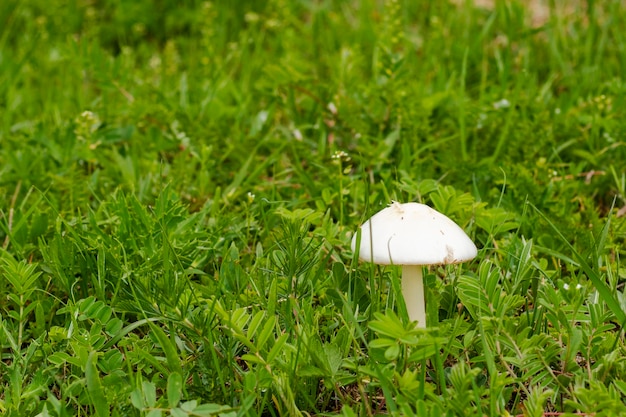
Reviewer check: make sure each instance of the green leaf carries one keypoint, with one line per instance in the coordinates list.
(58, 358)
(94, 387)
(390, 325)
(382, 343)
(148, 390)
(392, 352)
(253, 359)
(137, 400)
(263, 337)
(423, 352)
(210, 409)
(169, 348)
(21, 275)
(114, 326)
(278, 347)
(178, 412)
(174, 389)
(254, 325)
(189, 405)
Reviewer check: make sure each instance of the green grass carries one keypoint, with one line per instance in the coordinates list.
(180, 182)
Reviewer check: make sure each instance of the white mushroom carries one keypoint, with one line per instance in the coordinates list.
(413, 235)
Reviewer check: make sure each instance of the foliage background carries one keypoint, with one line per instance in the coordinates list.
(180, 181)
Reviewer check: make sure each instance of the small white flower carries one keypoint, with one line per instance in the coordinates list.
(502, 104)
(332, 108)
(297, 135)
(180, 134)
(86, 124)
(578, 286)
(608, 137)
(565, 287)
(340, 155)
(262, 116)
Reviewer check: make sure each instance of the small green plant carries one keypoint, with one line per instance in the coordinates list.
(180, 183)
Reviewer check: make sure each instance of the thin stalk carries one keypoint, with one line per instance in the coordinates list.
(413, 292)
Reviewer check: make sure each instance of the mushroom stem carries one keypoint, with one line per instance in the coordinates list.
(413, 292)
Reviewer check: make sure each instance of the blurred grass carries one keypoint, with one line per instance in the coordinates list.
(179, 183)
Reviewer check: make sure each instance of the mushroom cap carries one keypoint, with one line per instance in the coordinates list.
(413, 234)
